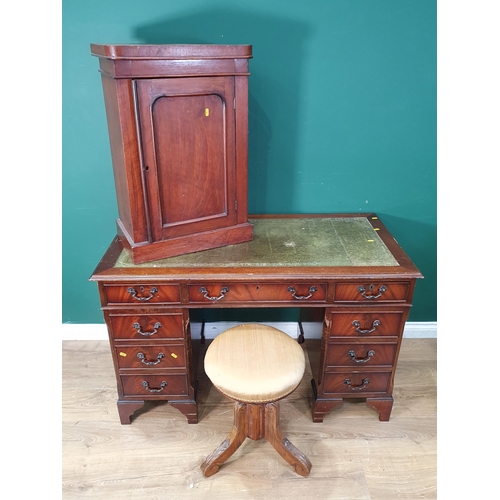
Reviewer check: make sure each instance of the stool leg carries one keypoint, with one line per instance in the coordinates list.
(280, 443)
(233, 441)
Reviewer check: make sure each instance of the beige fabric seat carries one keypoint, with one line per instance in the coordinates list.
(255, 365)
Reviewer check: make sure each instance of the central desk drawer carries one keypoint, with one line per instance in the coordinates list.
(257, 292)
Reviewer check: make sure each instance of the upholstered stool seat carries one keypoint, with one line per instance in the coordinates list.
(255, 365)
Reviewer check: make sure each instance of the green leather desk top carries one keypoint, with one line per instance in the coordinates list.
(285, 242)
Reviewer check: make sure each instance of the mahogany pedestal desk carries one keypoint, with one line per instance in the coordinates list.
(344, 271)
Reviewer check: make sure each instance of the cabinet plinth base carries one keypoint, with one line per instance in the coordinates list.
(141, 253)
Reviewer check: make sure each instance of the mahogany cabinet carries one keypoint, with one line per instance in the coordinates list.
(178, 129)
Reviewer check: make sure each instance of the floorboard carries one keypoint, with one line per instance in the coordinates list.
(353, 454)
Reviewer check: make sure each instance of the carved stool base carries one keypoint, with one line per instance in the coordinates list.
(256, 421)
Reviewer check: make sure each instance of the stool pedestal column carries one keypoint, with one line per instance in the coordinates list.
(256, 421)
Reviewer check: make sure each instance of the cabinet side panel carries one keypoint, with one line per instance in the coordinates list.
(120, 113)
(241, 134)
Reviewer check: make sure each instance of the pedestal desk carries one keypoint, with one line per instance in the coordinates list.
(344, 271)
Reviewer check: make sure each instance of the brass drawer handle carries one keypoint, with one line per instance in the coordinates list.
(142, 357)
(360, 330)
(291, 289)
(369, 354)
(133, 292)
(362, 291)
(156, 327)
(146, 385)
(348, 382)
(223, 291)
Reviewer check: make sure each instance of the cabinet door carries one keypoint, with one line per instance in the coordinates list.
(187, 130)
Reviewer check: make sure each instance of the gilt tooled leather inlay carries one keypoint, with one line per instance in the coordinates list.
(349, 241)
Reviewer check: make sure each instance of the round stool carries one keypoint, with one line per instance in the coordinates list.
(255, 365)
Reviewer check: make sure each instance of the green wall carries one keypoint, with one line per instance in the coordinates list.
(342, 117)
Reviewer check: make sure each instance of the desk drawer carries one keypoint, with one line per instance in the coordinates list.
(151, 357)
(154, 385)
(366, 324)
(257, 292)
(350, 384)
(146, 326)
(371, 292)
(360, 355)
(142, 294)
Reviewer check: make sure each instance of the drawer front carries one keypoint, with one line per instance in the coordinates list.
(353, 384)
(360, 355)
(366, 324)
(160, 386)
(142, 294)
(146, 326)
(151, 357)
(257, 292)
(372, 292)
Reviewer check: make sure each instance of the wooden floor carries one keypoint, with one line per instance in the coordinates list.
(353, 454)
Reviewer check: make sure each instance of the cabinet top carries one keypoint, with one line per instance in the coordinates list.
(174, 51)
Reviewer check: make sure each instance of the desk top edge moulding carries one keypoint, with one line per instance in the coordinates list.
(177, 119)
